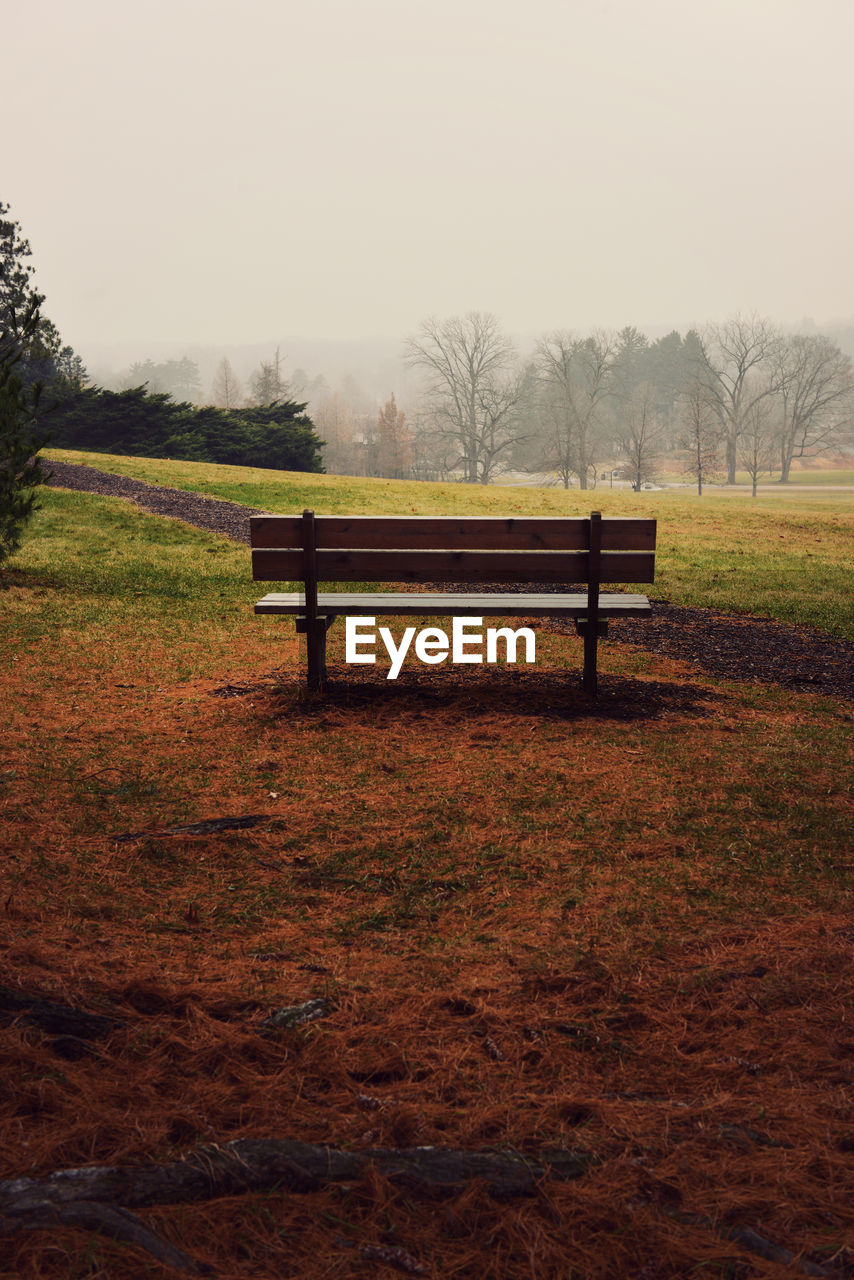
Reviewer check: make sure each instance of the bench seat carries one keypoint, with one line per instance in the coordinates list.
(469, 605)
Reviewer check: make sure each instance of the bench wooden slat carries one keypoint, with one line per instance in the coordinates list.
(470, 605)
(452, 532)
(452, 566)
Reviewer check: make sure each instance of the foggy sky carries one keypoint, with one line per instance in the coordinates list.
(208, 171)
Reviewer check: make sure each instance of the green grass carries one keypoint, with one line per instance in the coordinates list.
(256, 486)
(105, 546)
(782, 555)
(96, 570)
(835, 476)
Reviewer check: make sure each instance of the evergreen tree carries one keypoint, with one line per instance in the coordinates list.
(18, 298)
(21, 469)
(41, 356)
(267, 385)
(279, 436)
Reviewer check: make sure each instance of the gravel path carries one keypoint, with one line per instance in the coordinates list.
(732, 646)
(743, 647)
(228, 518)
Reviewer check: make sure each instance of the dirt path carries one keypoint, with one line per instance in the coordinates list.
(228, 518)
(731, 646)
(743, 647)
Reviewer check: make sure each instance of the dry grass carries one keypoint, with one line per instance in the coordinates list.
(623, 927)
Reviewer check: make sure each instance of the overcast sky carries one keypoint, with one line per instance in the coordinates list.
(223, 172)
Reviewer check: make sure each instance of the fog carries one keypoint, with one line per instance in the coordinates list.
(225, 176)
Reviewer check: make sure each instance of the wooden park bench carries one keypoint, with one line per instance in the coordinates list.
(552, 550)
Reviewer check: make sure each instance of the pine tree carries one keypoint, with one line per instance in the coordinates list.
(41, 356)
(267, 385)
(21, 469)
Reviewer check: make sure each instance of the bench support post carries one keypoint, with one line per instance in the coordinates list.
(315, 627)
(590, 682)
(316, 652)
(315, 638)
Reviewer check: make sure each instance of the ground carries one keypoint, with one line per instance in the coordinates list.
(527, 922)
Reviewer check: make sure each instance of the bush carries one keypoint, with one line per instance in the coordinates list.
(280, 436)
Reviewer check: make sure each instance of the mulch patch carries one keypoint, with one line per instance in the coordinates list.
(741, 647)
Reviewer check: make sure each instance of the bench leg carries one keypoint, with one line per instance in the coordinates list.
(316, 646)
(590, 682)
(591, 634)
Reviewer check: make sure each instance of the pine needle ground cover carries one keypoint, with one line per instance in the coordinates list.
(513, 921)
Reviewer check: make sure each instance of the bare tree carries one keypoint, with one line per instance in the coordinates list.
(757, 444)
(640, 432)
(226, 389)
(700, 435)
(335, 419)
(578, 377)
(733, 351)
(471, 387)
(436, 454)
(816, 398)
(501, 425)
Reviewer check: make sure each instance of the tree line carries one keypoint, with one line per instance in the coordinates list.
(736, 396)
(278, 435)
(358, 437)
(155, 414)
(181, 380)
(740, 395)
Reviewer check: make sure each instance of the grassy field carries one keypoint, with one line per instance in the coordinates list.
(534, 922)
(785, 556)
(824, 476)
(832, 476)
(194, 475)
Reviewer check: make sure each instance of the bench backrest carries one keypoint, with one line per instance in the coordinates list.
(483, 549)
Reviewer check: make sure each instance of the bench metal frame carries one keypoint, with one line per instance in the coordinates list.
(434, 549)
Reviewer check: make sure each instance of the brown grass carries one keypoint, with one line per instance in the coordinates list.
(538, 922)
